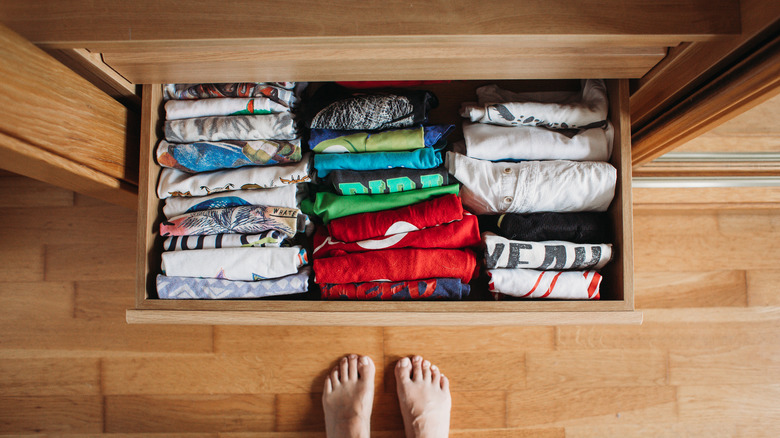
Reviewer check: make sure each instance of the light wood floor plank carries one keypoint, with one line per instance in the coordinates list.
(19, 191)
(745, 364)
(763, 287)
(561, 406)
(595, 368)
(690, 289)
(403, 341)
(22, 261)
(90, 262)
(104, 300)
(186, 414)
(741, 404)
(658, 430)
(39, 377)
(54, 414)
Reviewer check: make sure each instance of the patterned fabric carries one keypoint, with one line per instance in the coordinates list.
(497, 143)
(430, 289)
(396, 265)
(284, 196)
(529, 283)
(351, 182)
(457, 234)
(555, 110)
(243, 264)
(425, 158)
(233, 220)
(533, 186)
(331, 140)
(283, 93)
(177, 183)
(425, 214)
(270, 238)
(569, 227)
(188, 288)
(205, 156)
(280, 126)
(335, 107)
(549, 255)
(186, 109)
(329, 206)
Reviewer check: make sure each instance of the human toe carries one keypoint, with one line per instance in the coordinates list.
(417, 369)
(403, 369)
(352, 363)
(366, 368)
(426, 371)
(344, 369)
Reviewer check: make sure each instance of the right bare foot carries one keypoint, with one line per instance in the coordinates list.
(424, 396)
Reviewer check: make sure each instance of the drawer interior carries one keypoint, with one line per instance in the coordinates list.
(616, 287)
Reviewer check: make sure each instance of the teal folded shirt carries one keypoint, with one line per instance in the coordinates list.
(425, 158)
(329, 206)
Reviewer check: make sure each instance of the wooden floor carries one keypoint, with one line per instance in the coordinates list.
(706, 361)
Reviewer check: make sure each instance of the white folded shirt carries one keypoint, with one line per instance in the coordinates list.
(501, 252)
(533, 186)
(558, 110)
(174, 182)
(223, 106)
(245, 264)
(278, 196)
(530, 283)
(495, 143)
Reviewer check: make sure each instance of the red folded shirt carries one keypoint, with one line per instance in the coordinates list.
(424, 214)
(457, 234)
(396, 265)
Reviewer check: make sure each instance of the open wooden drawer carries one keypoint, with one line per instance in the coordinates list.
(617, 296)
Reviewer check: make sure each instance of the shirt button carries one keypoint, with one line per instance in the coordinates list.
(507, 170)
(507, 199)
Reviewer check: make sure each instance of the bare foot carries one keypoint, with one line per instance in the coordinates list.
(424, 396)
(348, 397)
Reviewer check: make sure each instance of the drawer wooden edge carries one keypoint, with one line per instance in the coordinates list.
(390, 319)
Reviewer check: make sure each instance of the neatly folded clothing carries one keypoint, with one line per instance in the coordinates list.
(284, 196)
(424, 214)
(430, 289)
(425, 158)
(569, 227)
(336, 107)
(243, 264)
(557, 110)
(205, 156)
(329, 206)
(529, 283)
(235, 106)
(496, 143)
(548, 255)
(189, 288)
(177, 183)
(279, 126)
(246, 219)
(352, 182)
(533, 186)
(267, 238)
(396, 265)
(404, 139)
(285, 93)
(457, 234)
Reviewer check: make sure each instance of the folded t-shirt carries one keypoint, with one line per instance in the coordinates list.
(424, 214)
(205, 156)
(244, 264)
(352, 182)
(530, 283)
(285, 93)
(329, 206)
(569, 227)
(429, 289)
(279, 126)
(228, 106)
(425, 158)
(183, 243)
(284, 196)
(548, 255)
(245, 219)
(403, 139)
(396, 265)
(189, 288)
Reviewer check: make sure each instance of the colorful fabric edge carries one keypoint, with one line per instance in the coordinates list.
(189, 288)
(429, 289)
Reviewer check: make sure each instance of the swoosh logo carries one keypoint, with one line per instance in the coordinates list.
(395, 233)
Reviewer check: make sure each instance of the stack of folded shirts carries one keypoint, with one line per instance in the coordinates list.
(394, 227)
(232, 162)
(539, 153)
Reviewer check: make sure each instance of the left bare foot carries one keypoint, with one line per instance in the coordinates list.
(348, 397)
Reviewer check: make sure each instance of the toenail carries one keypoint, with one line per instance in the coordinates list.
(404, 362)
(434, 367)
(353, 356)
(364, 360)
(426, 363)
(417, 358)
(343, 360)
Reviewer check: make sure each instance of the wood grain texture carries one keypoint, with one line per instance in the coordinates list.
(74, 122)
(20, 191)
(91, 67)
(691, 64)
(67, 23)
(743, 365)
(695, 198)
(53, 414)
(690, 289)
(762, 286)
(49, 377)
(580, 368)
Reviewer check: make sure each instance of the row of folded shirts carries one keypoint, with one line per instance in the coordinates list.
(232, 161)
(539, 161)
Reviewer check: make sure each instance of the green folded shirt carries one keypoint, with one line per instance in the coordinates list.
(329, 206)
(384, 141)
